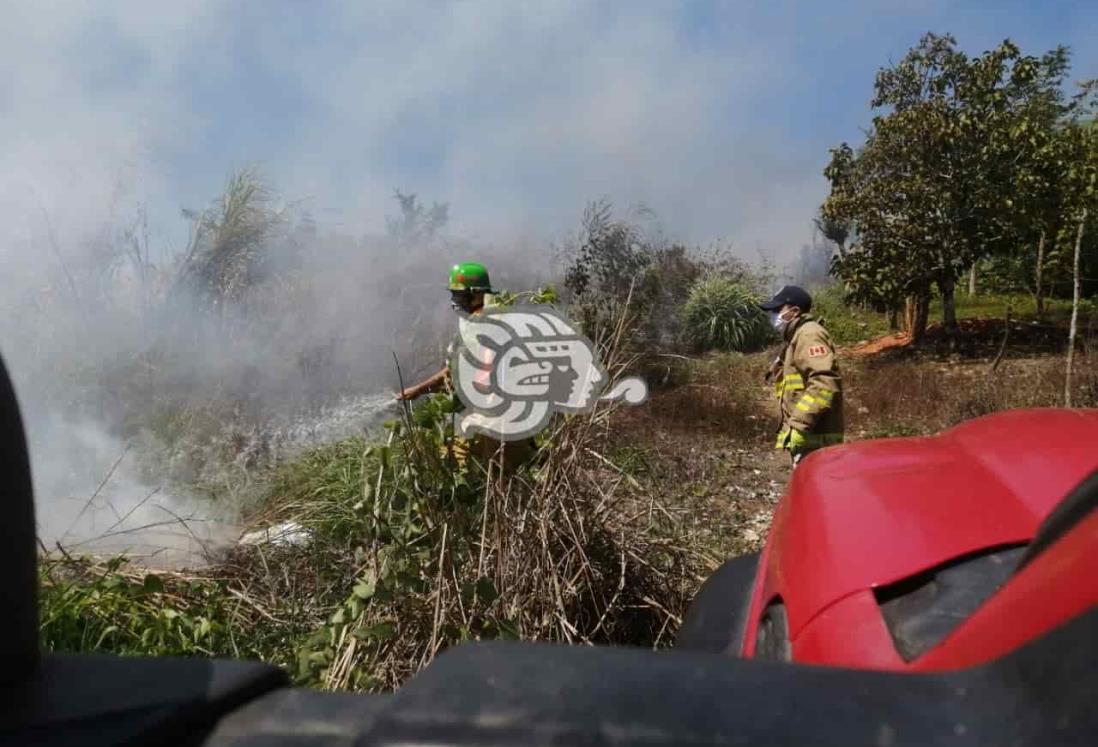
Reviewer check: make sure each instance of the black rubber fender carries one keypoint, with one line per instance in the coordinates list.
(716, 620)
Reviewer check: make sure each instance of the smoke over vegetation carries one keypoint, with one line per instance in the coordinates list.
(176, 353)
(154, 384)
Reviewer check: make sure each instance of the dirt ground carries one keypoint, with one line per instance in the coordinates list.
(704, 450)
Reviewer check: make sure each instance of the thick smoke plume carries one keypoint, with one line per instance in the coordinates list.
(155, 385)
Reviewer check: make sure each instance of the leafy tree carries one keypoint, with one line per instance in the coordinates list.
(1034, 190)
(836, 216)
(835, 231)
(666, 283)
(932, 189)
(607, 256)
(612, 263)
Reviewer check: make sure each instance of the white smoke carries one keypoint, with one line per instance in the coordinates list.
(113, 116)
(120, 514)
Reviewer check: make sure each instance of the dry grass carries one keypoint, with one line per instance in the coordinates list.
(893, 396)
(705, 446)
(719, 394)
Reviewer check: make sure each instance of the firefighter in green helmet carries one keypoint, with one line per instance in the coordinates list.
(470, 293)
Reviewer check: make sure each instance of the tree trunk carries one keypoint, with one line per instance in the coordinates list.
(1039, 294)
(1078, 282)
(922, 316)
(916, 315)
(972, 280)
(894, 319)
(948, 286)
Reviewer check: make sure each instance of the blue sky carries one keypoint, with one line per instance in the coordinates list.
(718, 115)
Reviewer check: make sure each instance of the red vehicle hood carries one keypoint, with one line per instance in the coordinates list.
(872, 513)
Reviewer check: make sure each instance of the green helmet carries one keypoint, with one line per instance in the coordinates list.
(470, 276)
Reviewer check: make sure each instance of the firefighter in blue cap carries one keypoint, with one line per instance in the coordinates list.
(805, 376)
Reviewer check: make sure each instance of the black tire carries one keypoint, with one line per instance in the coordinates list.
(717, 618)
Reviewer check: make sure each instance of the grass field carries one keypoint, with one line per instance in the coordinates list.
(604, 539)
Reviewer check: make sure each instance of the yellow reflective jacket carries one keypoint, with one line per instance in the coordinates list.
(810, 387)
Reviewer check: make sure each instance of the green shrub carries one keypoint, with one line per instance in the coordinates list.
(104, 606)
(546, 294)
(723, 314)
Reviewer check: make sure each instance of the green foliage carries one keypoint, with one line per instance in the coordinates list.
(850, 323)
(89, 607)
(395, 508)
(833, 227)
(604, 263)
(1022, 307)
(411, 548)
(613, 267)
(966, 162)
(606, 257)
(543, 295)
(722, 314)
(847, 323)
(666, 284)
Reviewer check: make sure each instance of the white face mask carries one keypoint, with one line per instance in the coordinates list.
(778, 321)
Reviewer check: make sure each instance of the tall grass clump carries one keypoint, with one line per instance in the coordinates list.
(723, 314)
(225, 255)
